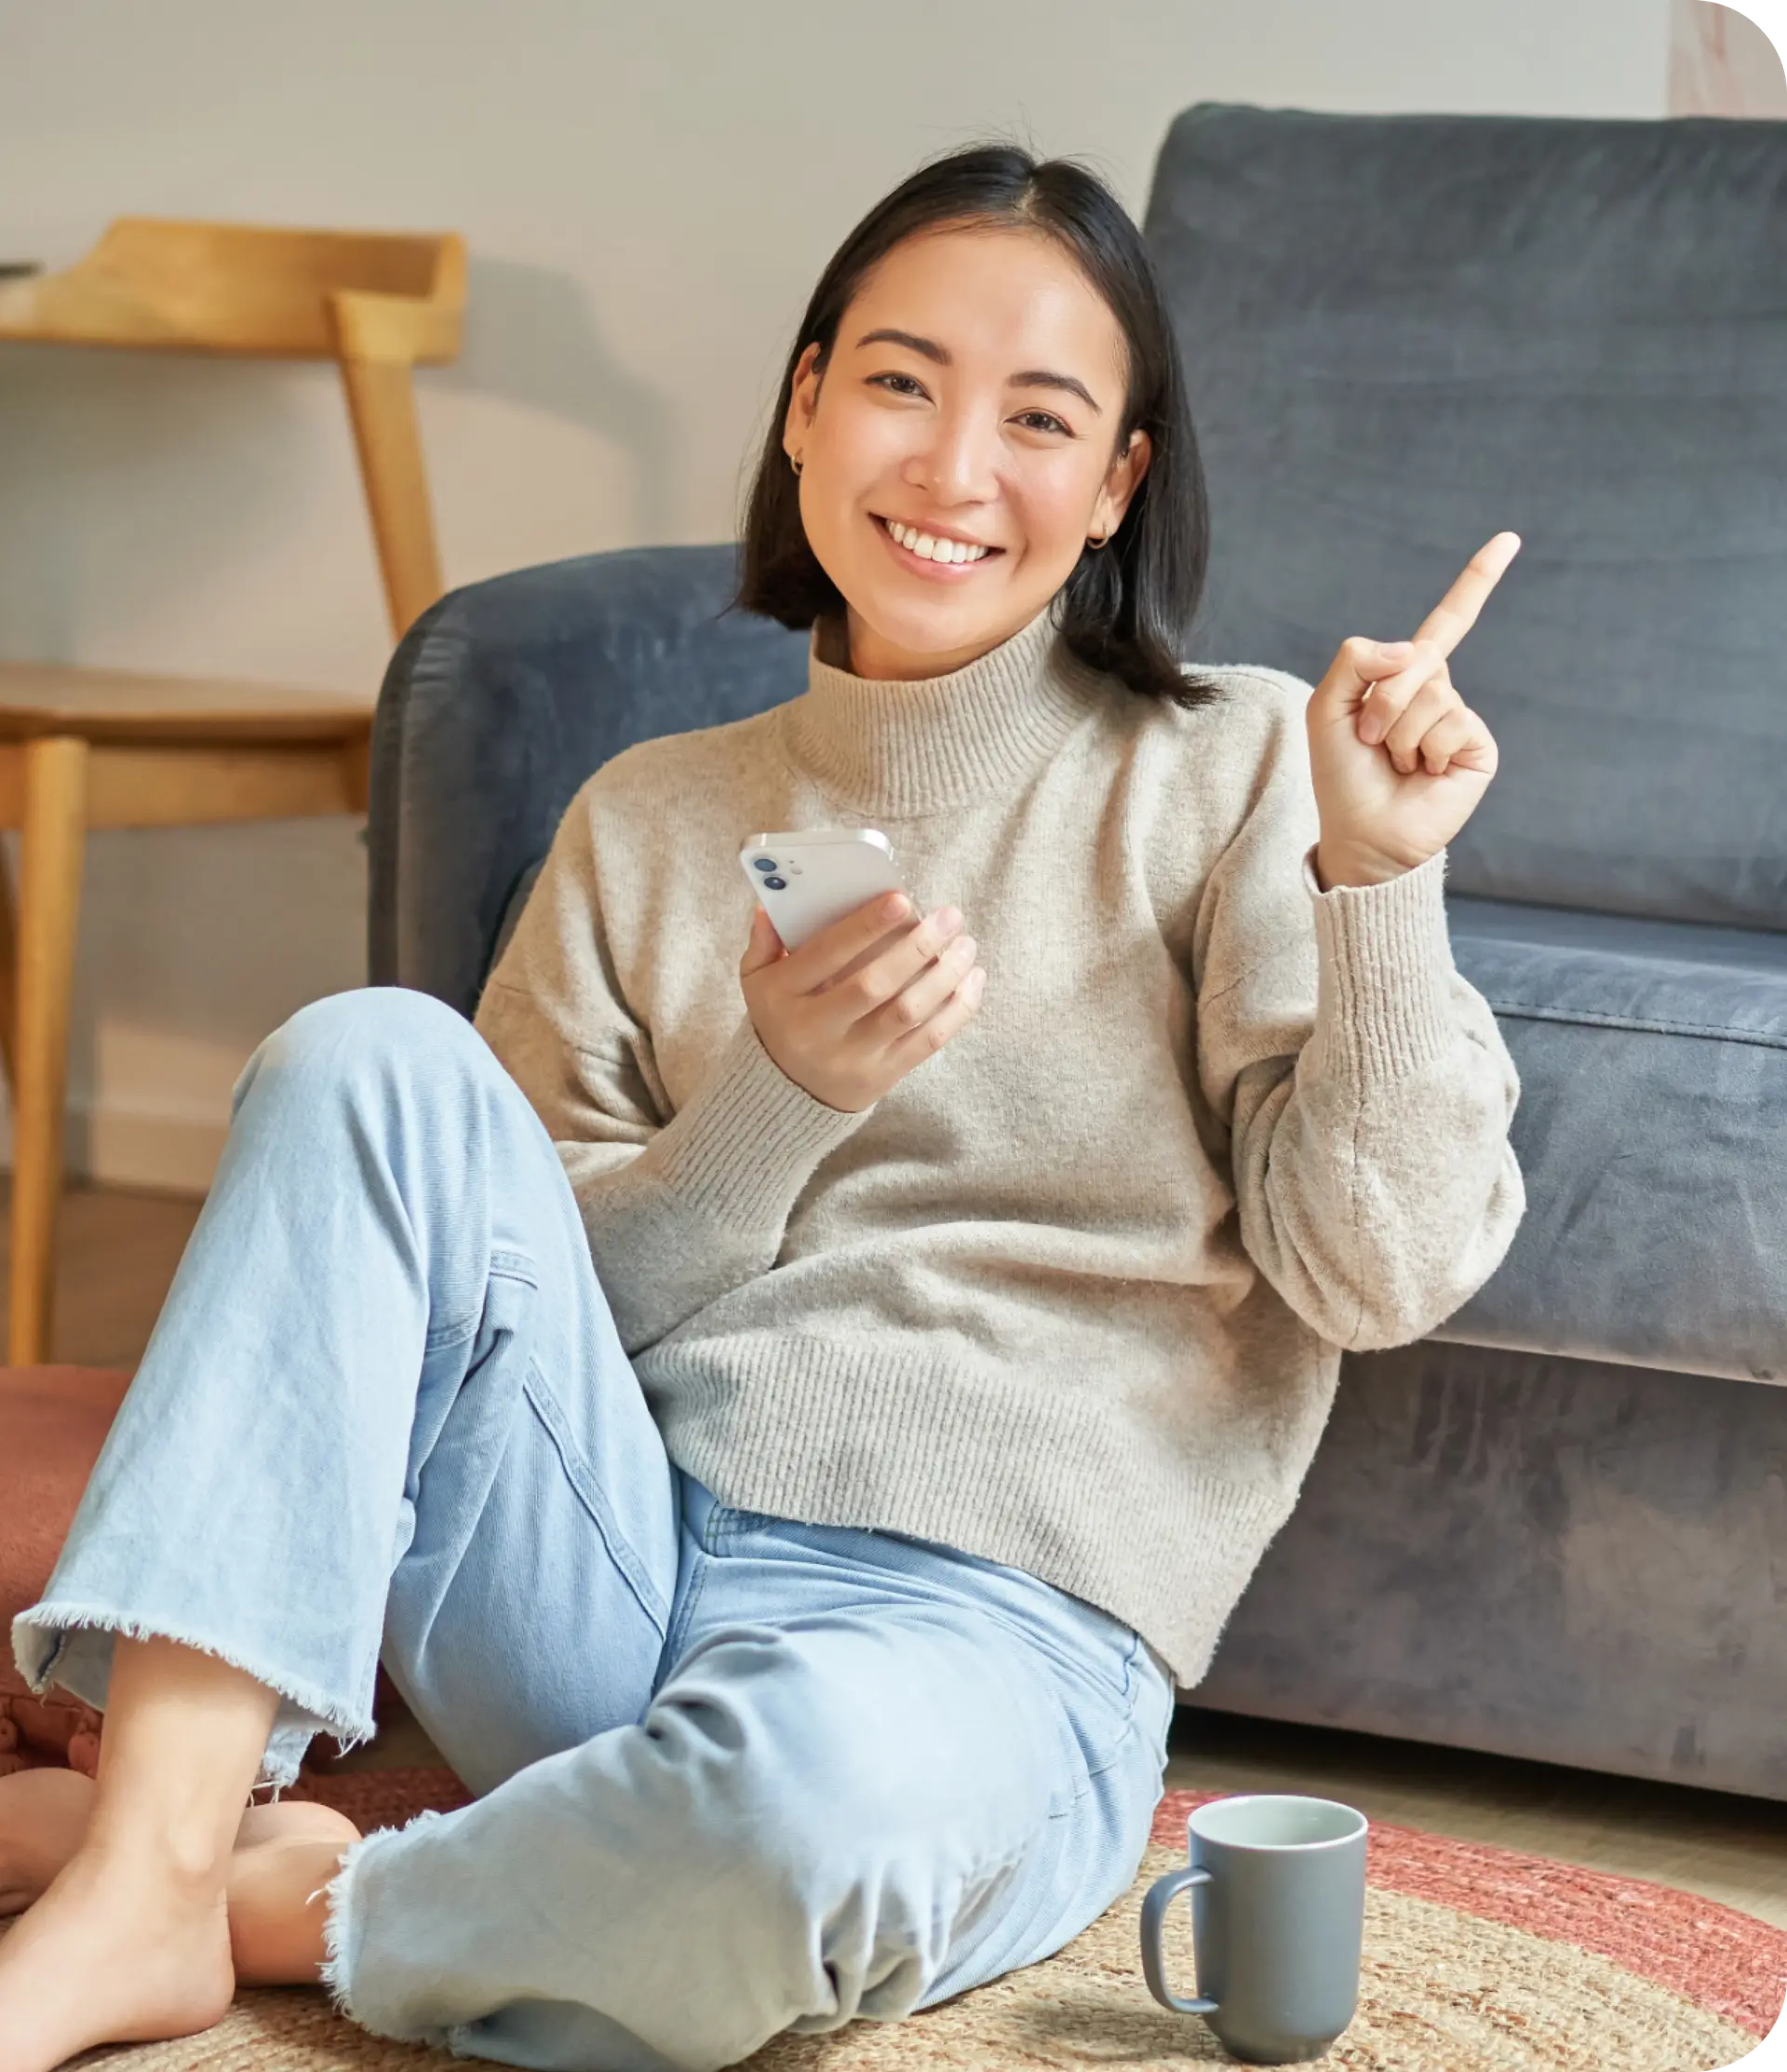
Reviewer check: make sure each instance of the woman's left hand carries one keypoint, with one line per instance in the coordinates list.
(1399, 760)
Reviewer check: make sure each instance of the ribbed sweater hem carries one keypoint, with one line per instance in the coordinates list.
(1048, 1481)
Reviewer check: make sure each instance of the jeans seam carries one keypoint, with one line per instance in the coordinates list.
(1128, 1733)
(678, 1633)
(589, 1490)
(1028, 1637)
(1082, 1789)
(1117, 1748)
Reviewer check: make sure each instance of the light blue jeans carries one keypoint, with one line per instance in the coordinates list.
(735, 1774)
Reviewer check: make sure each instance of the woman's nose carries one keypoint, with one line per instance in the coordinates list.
(959, 461)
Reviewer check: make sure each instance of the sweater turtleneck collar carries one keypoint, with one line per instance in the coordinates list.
(917, 745)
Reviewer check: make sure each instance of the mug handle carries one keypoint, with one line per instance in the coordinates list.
(1160, 1895)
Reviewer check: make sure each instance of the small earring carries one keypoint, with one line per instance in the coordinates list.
(794, 462)
(1103, 540)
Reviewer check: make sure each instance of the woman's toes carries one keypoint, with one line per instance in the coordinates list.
(43, 1821)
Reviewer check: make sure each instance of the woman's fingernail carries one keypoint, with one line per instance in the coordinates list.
(950, 919)
(1395, 651)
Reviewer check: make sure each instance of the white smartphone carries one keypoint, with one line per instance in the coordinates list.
(806, 880)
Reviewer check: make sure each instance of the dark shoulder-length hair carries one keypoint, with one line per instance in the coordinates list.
(1127, 607)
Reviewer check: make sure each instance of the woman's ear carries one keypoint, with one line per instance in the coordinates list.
(1120, 484)
(803, 394)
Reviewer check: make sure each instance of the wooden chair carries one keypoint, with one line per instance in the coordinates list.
(84, 748)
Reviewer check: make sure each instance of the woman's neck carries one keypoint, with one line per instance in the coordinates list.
(851, 643)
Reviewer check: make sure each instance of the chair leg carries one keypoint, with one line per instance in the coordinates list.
(387, 439)
(8, 981)
(55, 832)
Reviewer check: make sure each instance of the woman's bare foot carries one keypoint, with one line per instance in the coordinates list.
(122, 1948)
(277, 1908)
(85, 1966)
(130, 1943)
(43, 1817)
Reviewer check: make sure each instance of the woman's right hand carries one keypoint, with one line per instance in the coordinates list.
(846, 1020)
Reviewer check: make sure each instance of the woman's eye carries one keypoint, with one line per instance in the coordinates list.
(1041, 421)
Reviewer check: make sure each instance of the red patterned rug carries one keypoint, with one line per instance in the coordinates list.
(1477, 1959)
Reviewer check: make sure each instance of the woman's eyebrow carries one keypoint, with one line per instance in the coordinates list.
(1040, 377)
(1032, 377)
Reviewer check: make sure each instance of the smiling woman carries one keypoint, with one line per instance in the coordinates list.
(983, 408)
(786, 1454)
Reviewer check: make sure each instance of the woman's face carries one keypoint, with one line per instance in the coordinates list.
(975, 395)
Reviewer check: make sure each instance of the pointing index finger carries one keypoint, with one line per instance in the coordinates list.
(1456, 613)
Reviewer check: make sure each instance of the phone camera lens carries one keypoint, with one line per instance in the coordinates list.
(763, 863)
(775, 884)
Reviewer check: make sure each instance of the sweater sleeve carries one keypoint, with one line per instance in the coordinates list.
(679, 1205)
(1363, 1079)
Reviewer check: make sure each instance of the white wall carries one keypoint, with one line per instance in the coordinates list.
(648, 192)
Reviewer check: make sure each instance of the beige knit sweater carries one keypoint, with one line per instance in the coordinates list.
(1071, 1294)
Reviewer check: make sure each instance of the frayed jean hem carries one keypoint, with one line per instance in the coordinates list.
(64, 1642)
(341, 1938)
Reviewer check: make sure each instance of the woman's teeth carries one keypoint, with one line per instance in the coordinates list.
(928, 549)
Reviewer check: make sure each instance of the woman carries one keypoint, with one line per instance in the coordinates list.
(802, 1584)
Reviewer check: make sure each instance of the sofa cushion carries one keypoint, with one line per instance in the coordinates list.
(502, 699)
(1570, 1562)
(1653, 1065)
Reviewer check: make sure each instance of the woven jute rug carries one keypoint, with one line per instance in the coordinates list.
(1476, 1959)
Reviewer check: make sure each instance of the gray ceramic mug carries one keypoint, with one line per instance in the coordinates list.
(1277, 1913)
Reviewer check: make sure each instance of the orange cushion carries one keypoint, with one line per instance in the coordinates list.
(53, 1422)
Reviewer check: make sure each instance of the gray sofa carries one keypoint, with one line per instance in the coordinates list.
(1557, 1528)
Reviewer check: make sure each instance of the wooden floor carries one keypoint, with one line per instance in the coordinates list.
(1718, 1844)
(118, 1253)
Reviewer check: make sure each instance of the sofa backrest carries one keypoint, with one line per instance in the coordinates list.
(1404, 333)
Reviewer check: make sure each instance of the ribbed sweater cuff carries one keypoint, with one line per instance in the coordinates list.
(1383, 1005)
(744, 1147)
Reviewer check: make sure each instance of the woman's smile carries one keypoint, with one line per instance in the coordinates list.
(939, 556)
